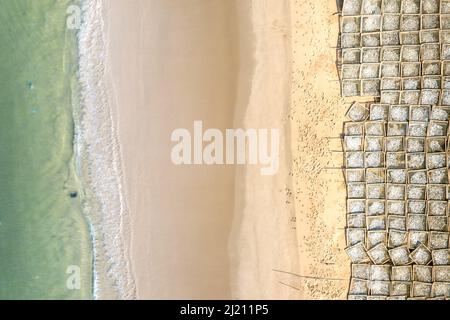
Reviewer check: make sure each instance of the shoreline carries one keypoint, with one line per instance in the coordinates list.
(239, 234)
(260, 33)
(98, 154)
(179, 246)
(236, 98)
(168, 234)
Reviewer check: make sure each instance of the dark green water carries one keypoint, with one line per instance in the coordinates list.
(42, 228)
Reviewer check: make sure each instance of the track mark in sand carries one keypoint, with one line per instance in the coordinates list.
(308, 277)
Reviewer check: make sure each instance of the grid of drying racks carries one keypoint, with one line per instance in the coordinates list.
(396, 149)
(396, 50)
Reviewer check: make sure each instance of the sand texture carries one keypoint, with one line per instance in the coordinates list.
(226, 231)
(317, 114)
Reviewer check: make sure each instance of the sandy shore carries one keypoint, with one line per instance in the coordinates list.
(172, 63)
(225, 231)
(317, 119)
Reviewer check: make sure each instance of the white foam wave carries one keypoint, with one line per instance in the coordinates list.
(99, 153)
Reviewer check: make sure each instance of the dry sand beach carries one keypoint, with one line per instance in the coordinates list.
(317, 113)
(227, 231)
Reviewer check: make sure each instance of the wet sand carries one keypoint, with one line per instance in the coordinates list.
(264, 240)
(226, 231)
(172, 63)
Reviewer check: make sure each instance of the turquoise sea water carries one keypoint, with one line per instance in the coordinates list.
(42, 229)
